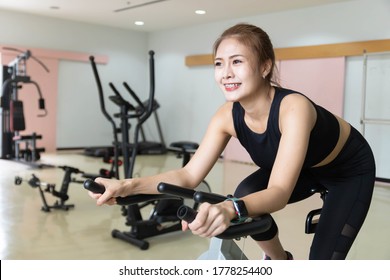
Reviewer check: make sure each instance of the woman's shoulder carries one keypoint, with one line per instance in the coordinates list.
(297, 109)
(291, 97)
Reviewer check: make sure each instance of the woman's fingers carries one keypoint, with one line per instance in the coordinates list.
(209, 222)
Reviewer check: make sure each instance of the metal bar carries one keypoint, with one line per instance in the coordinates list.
(376, 121)
(364, 84)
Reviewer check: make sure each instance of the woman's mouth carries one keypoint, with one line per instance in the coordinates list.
(231, 86)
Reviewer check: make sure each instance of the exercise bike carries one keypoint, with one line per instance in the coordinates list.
(61, 194)
(222, 247)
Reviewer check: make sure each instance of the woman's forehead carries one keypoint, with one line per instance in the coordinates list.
(232, 46)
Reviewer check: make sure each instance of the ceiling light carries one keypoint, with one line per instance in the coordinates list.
(138, 22)
(200, 12)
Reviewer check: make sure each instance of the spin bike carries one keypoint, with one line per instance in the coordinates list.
(222, 247)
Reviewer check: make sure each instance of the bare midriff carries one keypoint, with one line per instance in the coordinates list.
(345, 130)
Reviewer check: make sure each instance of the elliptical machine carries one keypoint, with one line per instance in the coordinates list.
(163, 218)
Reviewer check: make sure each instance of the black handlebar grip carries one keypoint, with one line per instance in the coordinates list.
(186, 213)
(94, 187)
(175, 190)
(208, 197)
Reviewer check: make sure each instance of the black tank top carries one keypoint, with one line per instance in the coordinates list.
(262, 147)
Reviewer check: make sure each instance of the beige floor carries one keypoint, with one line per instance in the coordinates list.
(84, 233)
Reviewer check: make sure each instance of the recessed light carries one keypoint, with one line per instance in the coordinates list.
(54, 7)
(200, 12)
(138, 22)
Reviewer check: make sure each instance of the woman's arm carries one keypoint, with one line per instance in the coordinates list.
(296, 120)
(216, 137)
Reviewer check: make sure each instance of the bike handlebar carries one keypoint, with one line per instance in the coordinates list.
(94, 187)
(235, 231)
(169, 191)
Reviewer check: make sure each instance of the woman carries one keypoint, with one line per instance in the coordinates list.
(296, 144)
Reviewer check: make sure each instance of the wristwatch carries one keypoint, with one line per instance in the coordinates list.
(240, 208)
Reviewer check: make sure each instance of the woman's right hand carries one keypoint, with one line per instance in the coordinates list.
(114, 188)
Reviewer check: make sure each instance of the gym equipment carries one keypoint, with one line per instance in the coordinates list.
(128, 111)
(62, 194)
(144, 147)
(158, 223)
(312, 217)
(115, 149)
(223, 246)
(163, 218)
(14, 75)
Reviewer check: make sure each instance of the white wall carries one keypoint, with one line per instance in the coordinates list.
(188, 96)
(79, 120)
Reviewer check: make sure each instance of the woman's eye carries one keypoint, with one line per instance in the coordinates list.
(217, 64)
(236, 61)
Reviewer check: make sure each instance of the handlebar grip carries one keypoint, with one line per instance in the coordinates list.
(208, 197)
(94, 187)
(257, 225)
(186, 213)
(175, 190)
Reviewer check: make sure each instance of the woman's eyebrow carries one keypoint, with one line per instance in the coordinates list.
(230, 57)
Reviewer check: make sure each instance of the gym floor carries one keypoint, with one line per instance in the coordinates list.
(84, 232)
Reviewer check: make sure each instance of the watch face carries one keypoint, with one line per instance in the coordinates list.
(241, 209)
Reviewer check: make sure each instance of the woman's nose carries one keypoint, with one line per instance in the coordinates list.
(228, 73)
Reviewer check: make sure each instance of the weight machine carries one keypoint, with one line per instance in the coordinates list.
(12, 115)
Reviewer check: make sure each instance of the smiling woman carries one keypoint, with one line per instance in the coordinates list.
(297, 145)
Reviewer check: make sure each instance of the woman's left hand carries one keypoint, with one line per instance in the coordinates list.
(211, 220)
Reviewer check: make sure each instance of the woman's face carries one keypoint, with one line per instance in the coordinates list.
(235, 70)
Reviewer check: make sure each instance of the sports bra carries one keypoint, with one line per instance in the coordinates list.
(263, 147)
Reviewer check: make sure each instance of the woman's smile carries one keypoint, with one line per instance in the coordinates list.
(232, 86)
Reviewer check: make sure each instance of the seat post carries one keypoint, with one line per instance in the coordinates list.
(313, 216)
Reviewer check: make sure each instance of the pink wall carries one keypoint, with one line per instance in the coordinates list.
(322, 80)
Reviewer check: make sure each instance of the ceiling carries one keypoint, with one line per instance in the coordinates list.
(156, 14)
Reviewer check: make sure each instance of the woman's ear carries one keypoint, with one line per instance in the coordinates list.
(266, 68)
